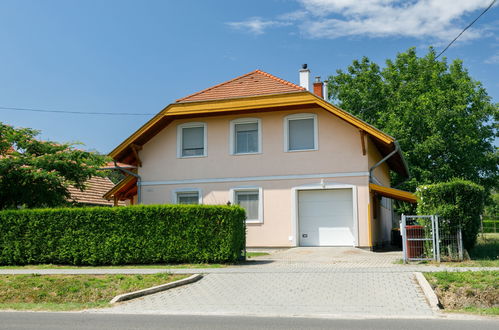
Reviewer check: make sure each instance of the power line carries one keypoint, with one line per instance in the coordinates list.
(466, 28)
(79, 112)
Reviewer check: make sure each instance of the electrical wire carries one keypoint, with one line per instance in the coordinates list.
(466, 28)
(79, 112)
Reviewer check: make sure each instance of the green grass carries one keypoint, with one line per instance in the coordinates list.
(472, 292)
(157, 266)
(71, 292)
(256, 254)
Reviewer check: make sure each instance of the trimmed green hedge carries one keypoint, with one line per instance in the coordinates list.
(122, 235)
(457, 203)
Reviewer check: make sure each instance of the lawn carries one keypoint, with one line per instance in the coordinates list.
(472, 292)
(256, 254)
(71, 292)
(156, 266)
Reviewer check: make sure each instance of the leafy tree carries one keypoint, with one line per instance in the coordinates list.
(443, 119)
(35, 173)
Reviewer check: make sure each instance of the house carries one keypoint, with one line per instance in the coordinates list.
(92, 195)
(307, 172)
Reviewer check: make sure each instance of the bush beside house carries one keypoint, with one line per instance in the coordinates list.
(126, 235)
(459, 203)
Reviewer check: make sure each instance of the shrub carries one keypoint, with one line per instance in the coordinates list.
(122, 235)
(458, 202)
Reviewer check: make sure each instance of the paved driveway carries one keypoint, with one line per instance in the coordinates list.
(296, 282)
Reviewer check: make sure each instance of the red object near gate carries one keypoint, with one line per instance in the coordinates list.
(415, 249)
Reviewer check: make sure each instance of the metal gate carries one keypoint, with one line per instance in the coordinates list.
(426, 237)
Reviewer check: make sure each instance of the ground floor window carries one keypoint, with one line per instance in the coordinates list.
(187, 197)
(251, 200)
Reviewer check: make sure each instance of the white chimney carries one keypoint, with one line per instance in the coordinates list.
(325, 90)
(305, 77)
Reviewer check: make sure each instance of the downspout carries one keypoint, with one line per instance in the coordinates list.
(371, 170)
(139, 181)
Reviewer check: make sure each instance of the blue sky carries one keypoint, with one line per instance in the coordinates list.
(139, 56)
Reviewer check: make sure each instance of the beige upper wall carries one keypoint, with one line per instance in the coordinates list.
(339, 151)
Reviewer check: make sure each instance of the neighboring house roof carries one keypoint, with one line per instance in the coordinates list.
(251, 84)
(264, 92)
(92, 195)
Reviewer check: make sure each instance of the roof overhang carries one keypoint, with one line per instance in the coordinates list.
(274, 102)
(392, 193)
(125, 189)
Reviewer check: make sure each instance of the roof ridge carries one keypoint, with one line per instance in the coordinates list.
(279, 79)
(217, 85)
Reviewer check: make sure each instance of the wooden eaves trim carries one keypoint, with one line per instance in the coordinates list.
(393, 193)
(245, 104)
(118, 187)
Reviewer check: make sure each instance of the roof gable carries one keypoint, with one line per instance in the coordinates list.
(254, 83)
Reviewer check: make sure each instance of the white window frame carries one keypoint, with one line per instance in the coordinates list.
(179, 138)
(299, 116)
(232, 200)
(232, 137)
(174, 197)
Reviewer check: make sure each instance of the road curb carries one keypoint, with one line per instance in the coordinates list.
(430, 295)
(155, 289)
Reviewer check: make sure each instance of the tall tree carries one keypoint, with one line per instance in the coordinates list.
(35, 173)
(442, 117)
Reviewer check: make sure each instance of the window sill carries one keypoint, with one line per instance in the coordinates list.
(254, 222)
(201, 156)
(246, 153)
(301, 150)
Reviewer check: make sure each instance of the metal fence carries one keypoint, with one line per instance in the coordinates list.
(489, 224)
(426, 237)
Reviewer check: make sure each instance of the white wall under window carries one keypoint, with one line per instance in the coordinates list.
(187, 196)
(251, 199)
(191, 140)
(300, 132)
(245, 136)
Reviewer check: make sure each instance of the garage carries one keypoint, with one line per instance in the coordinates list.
(325, 217)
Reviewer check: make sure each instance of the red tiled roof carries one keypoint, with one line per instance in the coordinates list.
(96, 187)
(254, 83)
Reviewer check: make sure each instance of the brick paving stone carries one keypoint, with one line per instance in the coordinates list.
(285, 294)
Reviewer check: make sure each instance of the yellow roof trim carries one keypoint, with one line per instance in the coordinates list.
(251, 103)
(118, 186)
(393, 193)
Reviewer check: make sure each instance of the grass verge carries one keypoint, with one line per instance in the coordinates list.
(256, 254)
(469, 292)
(71, 292)
(157, 266)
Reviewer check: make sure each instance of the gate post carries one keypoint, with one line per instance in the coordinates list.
(460, 244)
(404, 238)
(437, 239)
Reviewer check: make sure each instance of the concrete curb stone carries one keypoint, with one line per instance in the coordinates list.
(428, 291)
(155, 289)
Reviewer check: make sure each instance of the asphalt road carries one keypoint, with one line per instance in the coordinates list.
(67, 321)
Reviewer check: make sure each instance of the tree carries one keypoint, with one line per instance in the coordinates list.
(35, 173)
(443, 119)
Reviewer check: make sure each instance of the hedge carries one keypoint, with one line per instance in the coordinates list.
(122, 235)
(459, 203)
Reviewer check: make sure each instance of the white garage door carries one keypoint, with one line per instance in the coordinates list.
(325, 217)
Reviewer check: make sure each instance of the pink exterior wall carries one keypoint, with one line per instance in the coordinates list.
(339, 155)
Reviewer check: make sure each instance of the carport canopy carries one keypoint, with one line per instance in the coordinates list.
(393, 193)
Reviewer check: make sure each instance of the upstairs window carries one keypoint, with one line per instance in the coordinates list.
(300, 132)
(245, 136)
(191, 138)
